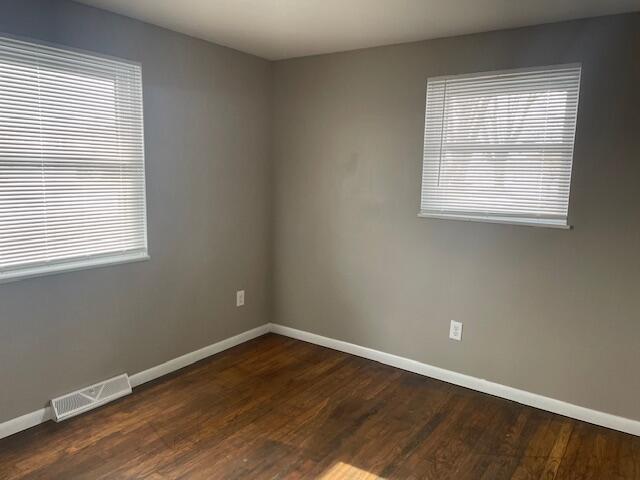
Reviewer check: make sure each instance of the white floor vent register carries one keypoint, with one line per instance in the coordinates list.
(88, 398)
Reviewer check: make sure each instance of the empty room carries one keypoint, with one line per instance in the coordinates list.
(320, 239)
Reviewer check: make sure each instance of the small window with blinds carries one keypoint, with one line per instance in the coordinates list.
(498, 147)
(72, 187)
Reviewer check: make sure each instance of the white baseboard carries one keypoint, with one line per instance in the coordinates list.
(192, 357)
(29, 420)
(520, 396)
(32, 419)
(526, 398)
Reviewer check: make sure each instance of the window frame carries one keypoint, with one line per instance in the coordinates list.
(39, 269)
(501, 218)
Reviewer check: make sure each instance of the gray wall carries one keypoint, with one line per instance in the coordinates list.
(549, 311)
(207, 120)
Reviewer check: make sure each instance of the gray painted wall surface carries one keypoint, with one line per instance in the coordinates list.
(549, 311)
(207, 120)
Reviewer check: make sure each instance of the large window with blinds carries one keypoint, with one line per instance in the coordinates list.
(72, 185)
(498, 146)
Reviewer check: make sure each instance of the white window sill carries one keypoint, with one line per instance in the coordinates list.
(529, 222)
(74, 265)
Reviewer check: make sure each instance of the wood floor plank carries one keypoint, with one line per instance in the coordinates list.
(277, 408)
(554, 458)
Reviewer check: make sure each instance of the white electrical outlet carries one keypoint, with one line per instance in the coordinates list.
(239, 298)
(455, 331)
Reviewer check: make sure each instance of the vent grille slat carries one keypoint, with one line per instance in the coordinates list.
(91, 397)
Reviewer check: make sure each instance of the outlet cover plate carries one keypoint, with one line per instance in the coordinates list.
(455, 330)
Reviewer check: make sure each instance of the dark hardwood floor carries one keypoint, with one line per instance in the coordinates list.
(280, 408)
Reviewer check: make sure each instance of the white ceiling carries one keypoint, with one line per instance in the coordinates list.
(277, 29)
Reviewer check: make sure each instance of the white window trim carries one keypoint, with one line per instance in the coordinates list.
(74, 266)
(543, 222)
(517, 220)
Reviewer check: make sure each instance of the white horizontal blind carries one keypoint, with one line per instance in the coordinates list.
(499, 146)
(72, 188)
